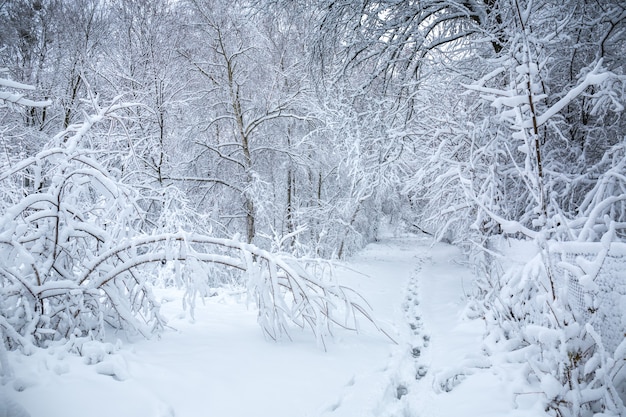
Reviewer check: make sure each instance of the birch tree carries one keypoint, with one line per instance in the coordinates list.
(252, 114)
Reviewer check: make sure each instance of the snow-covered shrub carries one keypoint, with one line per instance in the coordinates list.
(65, 210)
(567, 358)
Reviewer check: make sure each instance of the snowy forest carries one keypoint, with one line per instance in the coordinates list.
(208, 144)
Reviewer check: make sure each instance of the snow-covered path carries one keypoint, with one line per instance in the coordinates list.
(438, 368)
(222, 366)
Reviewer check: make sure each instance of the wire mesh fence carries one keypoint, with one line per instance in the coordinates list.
(595, 278)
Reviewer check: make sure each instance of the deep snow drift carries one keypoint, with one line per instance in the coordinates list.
(221, 365)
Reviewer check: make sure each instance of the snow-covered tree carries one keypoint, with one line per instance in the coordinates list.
(248, 89)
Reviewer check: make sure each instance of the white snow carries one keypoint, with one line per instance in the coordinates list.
(221, 365)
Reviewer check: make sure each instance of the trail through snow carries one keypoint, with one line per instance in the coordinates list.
(221, 365)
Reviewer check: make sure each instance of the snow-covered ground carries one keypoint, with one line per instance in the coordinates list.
(221, 365)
